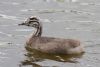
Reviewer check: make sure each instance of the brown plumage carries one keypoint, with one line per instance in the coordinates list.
(51, 44)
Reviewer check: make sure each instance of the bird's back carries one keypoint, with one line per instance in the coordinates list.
(52, 45)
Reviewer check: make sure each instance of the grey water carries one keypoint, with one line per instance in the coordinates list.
(75, 19)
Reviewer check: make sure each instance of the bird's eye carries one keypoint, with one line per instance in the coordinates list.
(34, 25)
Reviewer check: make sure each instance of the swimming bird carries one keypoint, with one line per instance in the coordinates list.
(50, 44)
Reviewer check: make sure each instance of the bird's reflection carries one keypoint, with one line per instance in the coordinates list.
(33, 56)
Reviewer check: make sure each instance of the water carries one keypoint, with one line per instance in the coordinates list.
(77, 19)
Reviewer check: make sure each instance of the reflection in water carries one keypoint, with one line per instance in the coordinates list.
(33, 56)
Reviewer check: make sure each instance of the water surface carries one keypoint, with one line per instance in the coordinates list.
(77, 19)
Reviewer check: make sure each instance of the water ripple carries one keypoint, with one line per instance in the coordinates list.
(1, 53)
(24, 29)
(3, 58)
(45, 20)
(25, 10)
(4, 43)
(81, 12)
(15, 3)
(8, 17)
(9, 35)
(45, 10)
(78, 29)
(12, 3)
(62, 1)
(86, 4)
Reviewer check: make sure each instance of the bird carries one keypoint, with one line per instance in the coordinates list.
(51, 45)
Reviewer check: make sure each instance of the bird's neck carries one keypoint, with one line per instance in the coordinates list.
(38, 32)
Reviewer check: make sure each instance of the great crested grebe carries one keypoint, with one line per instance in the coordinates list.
(51, 44)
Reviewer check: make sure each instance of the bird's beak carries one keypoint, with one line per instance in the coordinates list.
(26, 24)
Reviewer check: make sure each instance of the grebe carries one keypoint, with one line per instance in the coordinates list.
(51, 44)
